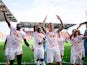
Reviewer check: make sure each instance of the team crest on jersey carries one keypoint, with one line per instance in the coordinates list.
(39, 36)
(52, 36)
(16, 34)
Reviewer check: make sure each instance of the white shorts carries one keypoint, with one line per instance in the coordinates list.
(75, 57)
(10, 57)
(8, 51)
(62, 52)
(38, 53)
(53, 55)
(9, 54)
(12, 53)
(18, 51)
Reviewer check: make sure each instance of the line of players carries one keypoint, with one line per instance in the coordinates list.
(54, 43)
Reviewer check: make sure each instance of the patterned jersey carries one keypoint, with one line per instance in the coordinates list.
(38, 39)
(61, 42)
(9, 43)
(52, 42)
(17, 37)
(77, 43)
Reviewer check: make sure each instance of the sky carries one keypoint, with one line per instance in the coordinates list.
(70, 11)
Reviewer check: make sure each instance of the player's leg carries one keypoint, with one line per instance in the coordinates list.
(36, 58)
(50, 63)
(11, 62)
(50, 56)
(72, 64)
(58, 59)
(79, 58)
(7, 60)
(41, 56)
(62, 53)
(19, 57)
(11, 58)
(72, 57)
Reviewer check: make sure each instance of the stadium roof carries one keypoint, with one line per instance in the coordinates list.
(56, 25)
(10, 16)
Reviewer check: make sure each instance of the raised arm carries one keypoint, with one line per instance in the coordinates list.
(62, 25)
(72, 35)
(81, 24)
(43, 23)
(35, 28)
(84, 22)
(4, 13)
(44, 29)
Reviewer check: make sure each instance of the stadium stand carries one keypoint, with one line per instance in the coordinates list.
(10, 16)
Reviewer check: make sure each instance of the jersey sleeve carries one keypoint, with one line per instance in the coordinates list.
(12, 30)
(23, 35)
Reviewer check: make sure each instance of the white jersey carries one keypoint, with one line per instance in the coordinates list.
(52, 42)
(61, 42)
(18, 36)
(76, 44)
(38, 38)
(9, 45)
(76, 49)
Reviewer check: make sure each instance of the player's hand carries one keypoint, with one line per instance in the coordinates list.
(4, 8)
(80, 24)
(57, 17)
(31, 47)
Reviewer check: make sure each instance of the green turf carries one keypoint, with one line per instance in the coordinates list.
(28, 54)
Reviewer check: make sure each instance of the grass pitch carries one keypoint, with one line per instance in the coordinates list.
(29, 57)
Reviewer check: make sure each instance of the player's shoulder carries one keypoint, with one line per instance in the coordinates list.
(8, 36)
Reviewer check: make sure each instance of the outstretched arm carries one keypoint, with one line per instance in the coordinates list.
(4, 13)
(5, 43)
(81, 24)
(62, 25)
(26, 42)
